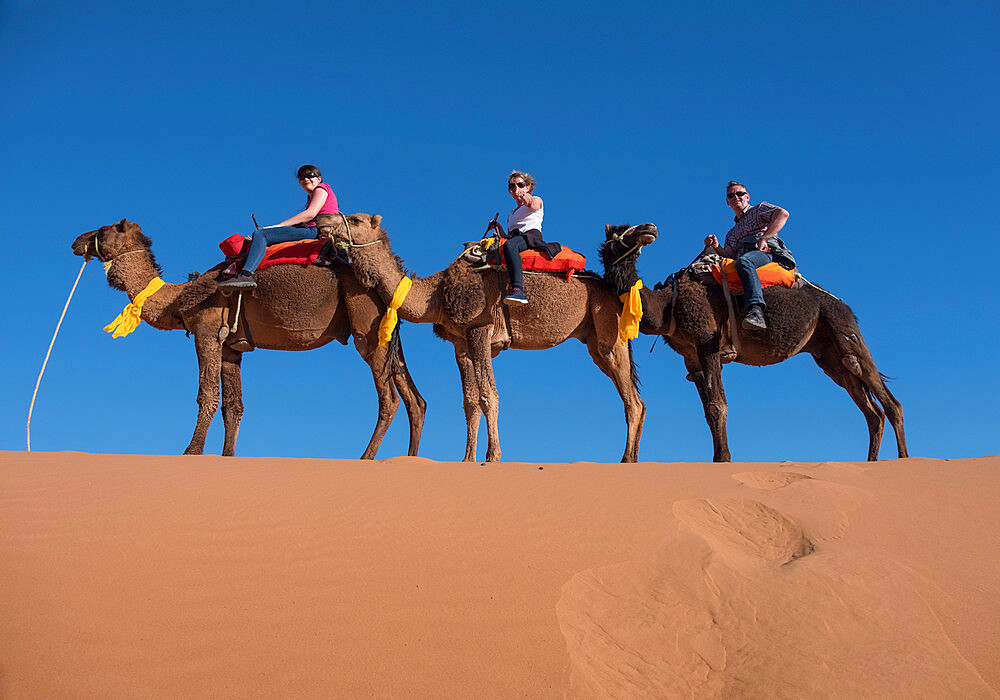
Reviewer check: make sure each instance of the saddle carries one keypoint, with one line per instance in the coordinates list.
(488, 254)
(708, 269)
(302, 252)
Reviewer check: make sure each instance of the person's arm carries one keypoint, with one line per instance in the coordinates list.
(530, 200)
(713, 243)
(316, 202)
(778, 218)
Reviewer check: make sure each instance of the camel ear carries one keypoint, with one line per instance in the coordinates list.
(607, 230)
(121, 225)
(376, 221)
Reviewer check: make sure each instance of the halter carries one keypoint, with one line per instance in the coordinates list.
(620, 237)
(108, 262)
(349, 243)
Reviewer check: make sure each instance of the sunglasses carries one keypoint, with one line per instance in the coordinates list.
(515, 185)
(310, 176)
(735, 195)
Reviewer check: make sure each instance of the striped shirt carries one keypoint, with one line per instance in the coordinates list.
(752, 222)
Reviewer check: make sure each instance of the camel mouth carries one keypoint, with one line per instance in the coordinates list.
(81, 246)
(328, 225)
(646, 234)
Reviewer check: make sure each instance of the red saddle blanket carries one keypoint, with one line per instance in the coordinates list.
(770, 275)
(566, 260)
(302, 252)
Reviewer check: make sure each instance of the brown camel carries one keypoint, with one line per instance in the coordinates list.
(808, 319)
(293, 308)
(465, 308)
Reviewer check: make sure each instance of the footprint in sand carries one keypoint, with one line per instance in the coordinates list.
(744, 530)
(768, 481)
(743, 600)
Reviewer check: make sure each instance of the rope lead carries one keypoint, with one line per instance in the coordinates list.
(46, 360)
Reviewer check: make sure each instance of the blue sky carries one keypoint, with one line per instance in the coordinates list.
(873, 125)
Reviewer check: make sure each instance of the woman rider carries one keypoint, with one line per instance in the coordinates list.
(524, 228)
(321, 200)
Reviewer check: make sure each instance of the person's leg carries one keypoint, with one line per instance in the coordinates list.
(746, 268)
(512, 254)
(263, 237)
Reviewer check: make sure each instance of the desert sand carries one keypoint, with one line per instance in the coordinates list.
(126, 576)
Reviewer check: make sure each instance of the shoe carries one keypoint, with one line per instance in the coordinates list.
(241, 280)
(754, 320)
(516, 297)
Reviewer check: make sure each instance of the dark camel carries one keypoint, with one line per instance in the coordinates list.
(807, 319)
(465, 308)
(293, 308)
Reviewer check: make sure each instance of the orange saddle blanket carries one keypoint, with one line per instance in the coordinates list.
(566, 260)
(302, 252)
(771, 275)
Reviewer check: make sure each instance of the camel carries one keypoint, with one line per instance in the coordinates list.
(808, 319)
(466, 310)
(293, 308)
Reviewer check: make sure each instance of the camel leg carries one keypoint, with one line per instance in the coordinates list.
(209, 351)
(416, 407)
(616, 363)
(708, 379)
(481, 355)
(470, 400)
(388, 401)
(232, 398)
(893, 410)
(868, 374)
(874, 417)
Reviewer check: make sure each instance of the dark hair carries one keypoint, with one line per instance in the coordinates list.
(733, 183)
(528, 180)
(307, 170)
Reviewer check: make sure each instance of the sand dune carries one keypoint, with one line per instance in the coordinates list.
(206, 577)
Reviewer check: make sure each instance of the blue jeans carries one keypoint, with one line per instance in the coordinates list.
(746, 268)
(263, 237)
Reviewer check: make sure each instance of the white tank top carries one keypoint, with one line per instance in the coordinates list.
(525, 218)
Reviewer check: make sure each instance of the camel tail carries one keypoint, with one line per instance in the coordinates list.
(633, 368)
(394, 356)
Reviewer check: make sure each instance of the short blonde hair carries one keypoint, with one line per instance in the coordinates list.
(519, 175)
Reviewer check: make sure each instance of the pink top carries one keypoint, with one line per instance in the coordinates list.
(329, 206)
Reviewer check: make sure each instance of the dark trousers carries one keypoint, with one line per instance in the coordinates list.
(512, 255)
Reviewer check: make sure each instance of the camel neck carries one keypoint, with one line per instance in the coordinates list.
(132, 272)
(655, 304)
(377, 268)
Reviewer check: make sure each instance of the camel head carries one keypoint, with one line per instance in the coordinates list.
(108, 242)
(622, 241)
(350, 229)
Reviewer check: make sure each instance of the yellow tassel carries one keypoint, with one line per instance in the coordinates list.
(628, 323)
(131, 316)
(391, 318)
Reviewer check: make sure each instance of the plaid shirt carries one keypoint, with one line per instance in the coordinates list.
(752, 222)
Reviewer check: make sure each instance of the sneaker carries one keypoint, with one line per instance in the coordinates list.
(241, 280)
(516, 297)
(754, 320)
